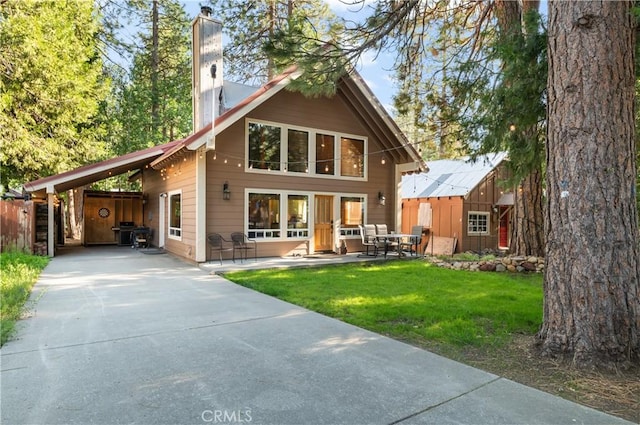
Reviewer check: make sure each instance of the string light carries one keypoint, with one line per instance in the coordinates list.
(356, 160)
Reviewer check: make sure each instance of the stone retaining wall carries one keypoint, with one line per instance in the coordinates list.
(504, 264)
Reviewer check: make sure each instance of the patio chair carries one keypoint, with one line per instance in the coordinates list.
(242, 243)
(217, 244)
(413, 242)
(369, 240)
(381, 232)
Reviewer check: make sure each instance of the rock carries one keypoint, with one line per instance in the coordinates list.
(511, 268)
(533, 260)
(488, 267)
(528, 266)
(500, 268)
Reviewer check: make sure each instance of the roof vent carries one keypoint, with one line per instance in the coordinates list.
(205, 10)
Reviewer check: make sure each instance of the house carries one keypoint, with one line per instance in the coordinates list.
(461, 199)
(296, 174)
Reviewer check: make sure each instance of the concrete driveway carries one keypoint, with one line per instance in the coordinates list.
(119, 337)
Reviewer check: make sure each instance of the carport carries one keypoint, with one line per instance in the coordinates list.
(46, 189)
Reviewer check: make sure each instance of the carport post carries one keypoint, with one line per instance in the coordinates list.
(51, 243)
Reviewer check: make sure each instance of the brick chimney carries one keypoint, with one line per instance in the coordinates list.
(207, 51)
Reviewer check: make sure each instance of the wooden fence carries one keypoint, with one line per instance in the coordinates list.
(17, 225)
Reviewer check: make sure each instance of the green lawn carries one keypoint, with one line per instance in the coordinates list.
(19, 273)
(412, 301)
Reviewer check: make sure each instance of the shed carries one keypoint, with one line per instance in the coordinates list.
(463, 199)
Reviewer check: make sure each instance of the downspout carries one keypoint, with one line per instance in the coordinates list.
(201, 202)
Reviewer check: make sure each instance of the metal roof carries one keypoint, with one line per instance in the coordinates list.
(450, 177)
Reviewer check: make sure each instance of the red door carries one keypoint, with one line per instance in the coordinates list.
(503, 231)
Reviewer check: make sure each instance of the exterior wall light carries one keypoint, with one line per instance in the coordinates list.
(226, 192)
(381, 199)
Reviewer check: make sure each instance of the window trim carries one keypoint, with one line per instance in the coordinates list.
(171, 231)
(347, 233)
(311, 151)
(479, 233)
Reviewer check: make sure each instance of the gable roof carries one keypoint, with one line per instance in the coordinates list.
(450, 177)
(352, 89)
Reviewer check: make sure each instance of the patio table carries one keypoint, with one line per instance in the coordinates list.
(390, 237)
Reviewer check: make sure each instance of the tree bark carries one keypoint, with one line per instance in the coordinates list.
(591, 303)
(527, 236)
(528, 223)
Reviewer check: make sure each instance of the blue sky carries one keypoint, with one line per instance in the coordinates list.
(376, 71)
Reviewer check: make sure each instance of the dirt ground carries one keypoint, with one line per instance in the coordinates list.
(616, 393)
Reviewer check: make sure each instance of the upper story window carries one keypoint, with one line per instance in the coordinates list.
(264, 146)
(351, 157)
(282, 148)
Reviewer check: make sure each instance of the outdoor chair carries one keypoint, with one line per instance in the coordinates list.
(218, 244)
(415, 242)
(369, 240)
(243, 244)
(381, 232)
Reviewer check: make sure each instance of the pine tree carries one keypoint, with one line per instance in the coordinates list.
(254, 33)
(51, 85)
(153, 103)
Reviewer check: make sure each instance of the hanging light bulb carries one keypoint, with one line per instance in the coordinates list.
(383, 160)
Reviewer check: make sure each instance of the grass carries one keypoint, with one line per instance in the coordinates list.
(412, 301)
(20, 272)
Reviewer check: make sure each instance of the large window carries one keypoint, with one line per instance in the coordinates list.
(351, 157)
(325, 159)
(478, 223)
(264, 215)
(297, 151)
(281, 148)
(297, 216)
(264, 146)
(175, 215)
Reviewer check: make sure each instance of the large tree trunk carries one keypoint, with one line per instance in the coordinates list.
(592, 304)
(527, 236)
(528, 225)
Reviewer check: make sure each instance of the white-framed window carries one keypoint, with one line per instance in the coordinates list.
(351, 212)
(175, 214)
(263, 219)
(280, 148)
(297, 216)
(477, 223)
(281, 214)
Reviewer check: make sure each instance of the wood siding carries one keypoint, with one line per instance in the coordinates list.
(450, 214)
(228, 164)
